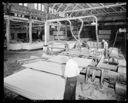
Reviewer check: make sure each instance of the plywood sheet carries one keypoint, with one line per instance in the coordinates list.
(82, 62)
(59, 59)
(50, 67)
(36, 85)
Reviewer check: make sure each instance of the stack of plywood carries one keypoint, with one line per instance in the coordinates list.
(41, 80)
(36, 85)
(27, 46)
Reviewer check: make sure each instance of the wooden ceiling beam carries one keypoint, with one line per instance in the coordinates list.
(100, 7)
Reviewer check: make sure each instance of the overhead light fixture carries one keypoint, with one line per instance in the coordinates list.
(93, 23)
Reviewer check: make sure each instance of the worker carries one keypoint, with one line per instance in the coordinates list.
(105, 46)
(78, 45)
(71, 72)
(66, 47)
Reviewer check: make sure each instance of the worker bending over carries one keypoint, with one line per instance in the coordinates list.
(78, 45)
(71, 72)
(105, 46)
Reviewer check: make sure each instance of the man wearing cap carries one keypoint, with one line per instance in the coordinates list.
(71, 72)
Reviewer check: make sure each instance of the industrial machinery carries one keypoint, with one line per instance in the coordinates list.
(50, 67)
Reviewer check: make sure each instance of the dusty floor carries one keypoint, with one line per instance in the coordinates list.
(85, 91)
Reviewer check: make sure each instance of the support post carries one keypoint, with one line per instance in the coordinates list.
(46, 32)
(30, 31)
(8, 32)
(97, 35)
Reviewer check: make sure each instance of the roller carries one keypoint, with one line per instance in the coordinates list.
(87, 73)
(122, 78)
(121, 69)
(120, 89)
(93, 76)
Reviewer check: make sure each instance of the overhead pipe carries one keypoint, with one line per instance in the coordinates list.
(80, 29)
(62, 19)
(71, 31)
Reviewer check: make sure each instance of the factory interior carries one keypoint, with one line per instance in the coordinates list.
(39, 38)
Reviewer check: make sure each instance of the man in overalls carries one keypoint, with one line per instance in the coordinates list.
(71, 72)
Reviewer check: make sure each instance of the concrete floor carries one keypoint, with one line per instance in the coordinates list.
(84, 91)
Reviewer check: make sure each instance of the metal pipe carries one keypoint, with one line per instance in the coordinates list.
(80, 29)
(68, 19)
(62, 19)
(71, 30)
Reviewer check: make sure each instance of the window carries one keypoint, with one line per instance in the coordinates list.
(20, 3)
(39, 6)
(35, 5)
(25, 4)
(50, 10)
(42, 7)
